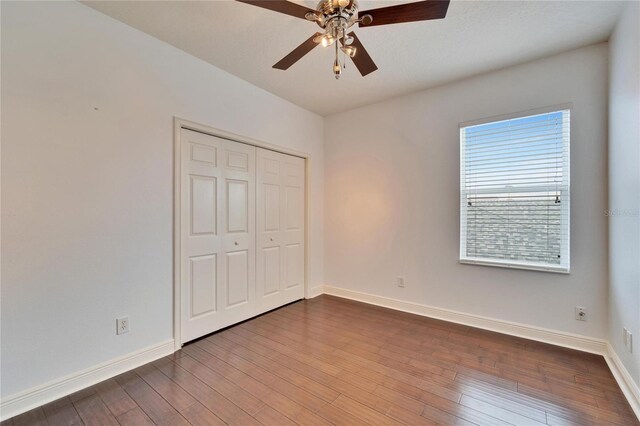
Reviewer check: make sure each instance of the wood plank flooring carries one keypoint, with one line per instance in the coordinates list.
(333, 361)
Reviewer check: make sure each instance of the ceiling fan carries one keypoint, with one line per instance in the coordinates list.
(335, 17)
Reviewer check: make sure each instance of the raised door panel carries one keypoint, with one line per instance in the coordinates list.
(294, 263)
(293, 171)
(237, 159)
(203, 153)
(203, 205)
(293, 182)
(271, 267)
(237, 206)
(271, 207)
(271, 169)
(293, 207)
(237, 288)
(202, 285)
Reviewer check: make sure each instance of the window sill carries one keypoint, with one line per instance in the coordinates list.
(517, 265)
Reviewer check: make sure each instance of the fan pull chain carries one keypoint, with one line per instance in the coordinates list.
(344, 55)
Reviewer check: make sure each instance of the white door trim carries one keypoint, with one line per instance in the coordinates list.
(178, 125)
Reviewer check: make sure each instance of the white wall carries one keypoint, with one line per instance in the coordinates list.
(392, 196)
(624, 186)
(87, 139)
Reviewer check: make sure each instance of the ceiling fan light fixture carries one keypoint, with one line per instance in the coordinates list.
(350, 51)
(327, 40)
(311, 16)
(366, 20)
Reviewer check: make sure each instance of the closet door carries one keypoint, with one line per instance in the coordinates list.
(237, 294)
(217, 247)
(280, 223)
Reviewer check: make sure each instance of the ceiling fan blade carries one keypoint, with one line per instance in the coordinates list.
(409, 12)
(282, 6)
(298, 53)
(362, 60)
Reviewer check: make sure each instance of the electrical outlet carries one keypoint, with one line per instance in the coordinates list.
(122, 325)
(581, 313)
(401, 282)
(628, 339)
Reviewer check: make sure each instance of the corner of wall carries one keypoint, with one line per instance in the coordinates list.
(628, 386)
(624, 199)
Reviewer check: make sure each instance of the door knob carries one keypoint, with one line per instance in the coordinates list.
(271, 239)
(236, 243)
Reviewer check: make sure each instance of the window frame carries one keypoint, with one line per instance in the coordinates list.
(565, 230)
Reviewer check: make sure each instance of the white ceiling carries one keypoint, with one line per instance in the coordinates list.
(475, 37)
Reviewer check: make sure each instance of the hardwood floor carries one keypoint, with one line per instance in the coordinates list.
(333, 361)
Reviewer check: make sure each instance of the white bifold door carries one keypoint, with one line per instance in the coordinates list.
(280, 227)
(242, 232)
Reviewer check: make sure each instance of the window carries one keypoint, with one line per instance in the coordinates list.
(514, 192)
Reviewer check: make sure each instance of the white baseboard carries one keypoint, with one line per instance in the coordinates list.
(625, 381)
(31, 398)
(559, 338)
(554, 337)
(315, 292)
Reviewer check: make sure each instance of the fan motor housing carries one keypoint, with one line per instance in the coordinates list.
(330, 10)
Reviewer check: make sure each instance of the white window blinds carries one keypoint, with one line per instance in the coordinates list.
(514, 192)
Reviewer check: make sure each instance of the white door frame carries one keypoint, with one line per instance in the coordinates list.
(178, 125)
